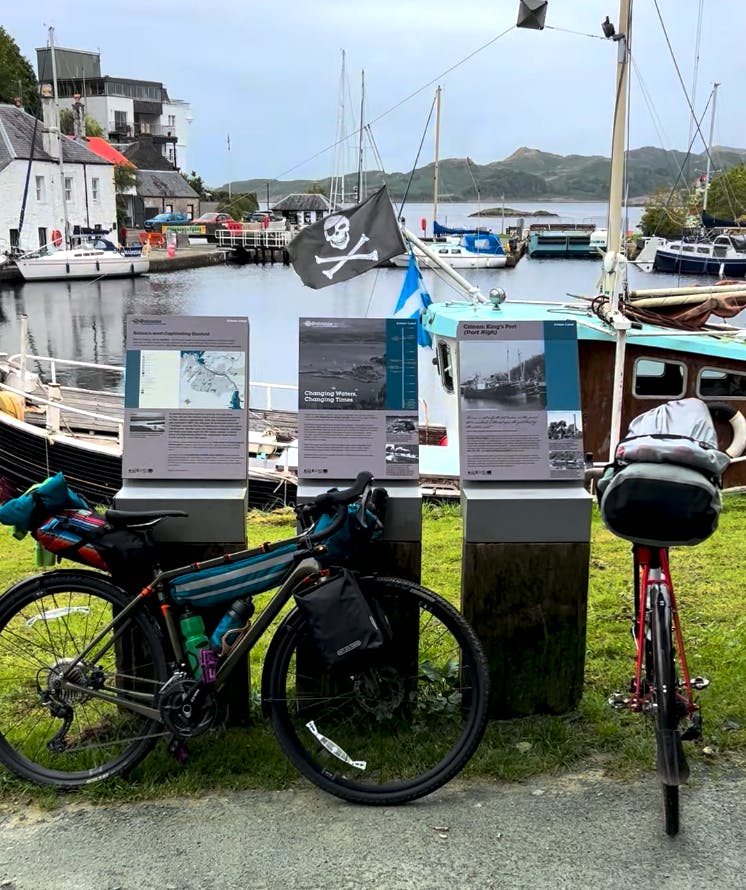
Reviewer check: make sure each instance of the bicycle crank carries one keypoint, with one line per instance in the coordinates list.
(187, 708)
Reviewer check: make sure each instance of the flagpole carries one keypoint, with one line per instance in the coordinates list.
(474, 294)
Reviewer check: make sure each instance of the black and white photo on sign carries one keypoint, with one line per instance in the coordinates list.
(565, 434)
(510, 375)
(147, 423)
(402, 454)
(342, 364)
(401, 428)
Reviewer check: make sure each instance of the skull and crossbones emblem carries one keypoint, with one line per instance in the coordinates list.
(337, 235)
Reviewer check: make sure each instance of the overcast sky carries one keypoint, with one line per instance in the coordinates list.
(268, 74)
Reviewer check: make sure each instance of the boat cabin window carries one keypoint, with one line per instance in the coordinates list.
(716, 383)
(654, 379)
(703, 250)
(444, 362)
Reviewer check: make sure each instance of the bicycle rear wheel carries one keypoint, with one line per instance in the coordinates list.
(671, 762)
(398, 726)
(51, 733)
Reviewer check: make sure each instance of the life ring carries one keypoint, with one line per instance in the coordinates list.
(56, 237)
(723, 411)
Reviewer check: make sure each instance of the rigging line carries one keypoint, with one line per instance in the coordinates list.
(414, 166)
(695, 73)
(579, 33)
(404, 100)
(681, 80)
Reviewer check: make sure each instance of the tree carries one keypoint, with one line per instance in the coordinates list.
(125, 179)
(239, 204)
(17, 78)
(197, 183)
(665, 217)
(316, 188)
(67, 124)
(726, 197)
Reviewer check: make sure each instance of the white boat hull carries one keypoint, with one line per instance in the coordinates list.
(102, 265)
(462, 260)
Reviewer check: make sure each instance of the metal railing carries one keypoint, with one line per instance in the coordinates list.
(230, 238)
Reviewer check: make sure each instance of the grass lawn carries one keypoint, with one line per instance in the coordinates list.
(708, 581)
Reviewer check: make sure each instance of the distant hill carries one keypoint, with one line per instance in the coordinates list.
(528, 174)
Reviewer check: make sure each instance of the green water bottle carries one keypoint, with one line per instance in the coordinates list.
(195, 640)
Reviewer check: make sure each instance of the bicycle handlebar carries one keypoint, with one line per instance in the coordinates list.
(336, 502)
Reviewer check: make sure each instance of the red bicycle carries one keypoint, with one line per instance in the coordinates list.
(663, 490)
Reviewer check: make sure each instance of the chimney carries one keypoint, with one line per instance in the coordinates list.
(78, 117)
(50, 134)
(17, 101)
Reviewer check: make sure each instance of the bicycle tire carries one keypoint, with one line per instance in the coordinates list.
(45, 622)
(671, 763)
(413, 714)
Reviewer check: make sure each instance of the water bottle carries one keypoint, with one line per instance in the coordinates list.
(195, 640)
(235, 619)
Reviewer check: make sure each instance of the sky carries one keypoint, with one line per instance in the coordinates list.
(269, 75)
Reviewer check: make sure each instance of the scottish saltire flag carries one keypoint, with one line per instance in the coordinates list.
(347, 243)
(413, 300)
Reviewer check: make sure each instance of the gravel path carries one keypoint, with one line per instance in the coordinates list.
(580, 831)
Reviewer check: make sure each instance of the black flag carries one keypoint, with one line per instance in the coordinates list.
(347, 243)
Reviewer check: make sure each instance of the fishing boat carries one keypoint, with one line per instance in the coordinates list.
(636, 349)
(724, 256)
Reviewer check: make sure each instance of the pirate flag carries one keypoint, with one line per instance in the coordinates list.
(347, 243)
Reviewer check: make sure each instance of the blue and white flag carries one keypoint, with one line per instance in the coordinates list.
(413, 300)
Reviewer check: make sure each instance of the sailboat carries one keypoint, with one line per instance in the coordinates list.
(634, 351)
(60, 259)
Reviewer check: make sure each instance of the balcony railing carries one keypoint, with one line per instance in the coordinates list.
(141, 128)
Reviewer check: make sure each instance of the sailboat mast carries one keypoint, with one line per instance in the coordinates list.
(437, 150)
(65, 230)
(360, 195)
(616, 184)
(709, 145)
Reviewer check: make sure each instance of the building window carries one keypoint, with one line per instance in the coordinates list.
(657, 379)
(40, 189)
(94, 189)
(172, 120)
(42, 237)
(169, 208)
(68, 188)
(120, 121)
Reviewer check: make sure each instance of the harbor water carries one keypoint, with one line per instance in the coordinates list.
(85, 320)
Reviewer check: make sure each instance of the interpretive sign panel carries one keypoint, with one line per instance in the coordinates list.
(185, 389)
(357, 398)
(519, 401)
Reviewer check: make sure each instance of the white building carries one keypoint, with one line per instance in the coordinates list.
(82, 186)
(124, 108)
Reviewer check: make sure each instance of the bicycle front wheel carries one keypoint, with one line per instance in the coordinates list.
(400, 724)
(671, 762)
(68, 724)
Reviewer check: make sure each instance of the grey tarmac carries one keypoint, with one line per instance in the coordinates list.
(574, 831)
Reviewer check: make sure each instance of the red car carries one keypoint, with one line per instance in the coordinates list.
(213, 218)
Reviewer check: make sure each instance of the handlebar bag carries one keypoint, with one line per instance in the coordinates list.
(340, 619)
(659, 505)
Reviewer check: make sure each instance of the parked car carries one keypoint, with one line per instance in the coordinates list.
(259, 215)
(163, 219)
(214, 218)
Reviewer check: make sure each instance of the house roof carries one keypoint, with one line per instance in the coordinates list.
(163, 184)
(106, 150)
(17, 135)
(303, 202)
(146, 155)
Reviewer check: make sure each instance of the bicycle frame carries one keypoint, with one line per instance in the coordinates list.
(306, 566)
(651, 569)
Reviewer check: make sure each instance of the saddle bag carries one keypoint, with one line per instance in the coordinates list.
(341, 621)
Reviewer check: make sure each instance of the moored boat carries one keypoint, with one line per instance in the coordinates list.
(481, 250)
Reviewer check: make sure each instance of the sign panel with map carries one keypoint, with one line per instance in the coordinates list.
(186, 384)
(357, 398)
(519, 401)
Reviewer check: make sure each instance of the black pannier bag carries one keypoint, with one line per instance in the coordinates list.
(663, 489)
(341, 621)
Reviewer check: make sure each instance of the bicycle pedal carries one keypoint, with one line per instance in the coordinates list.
(618, 701)
(178, 750)
(699, 682)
